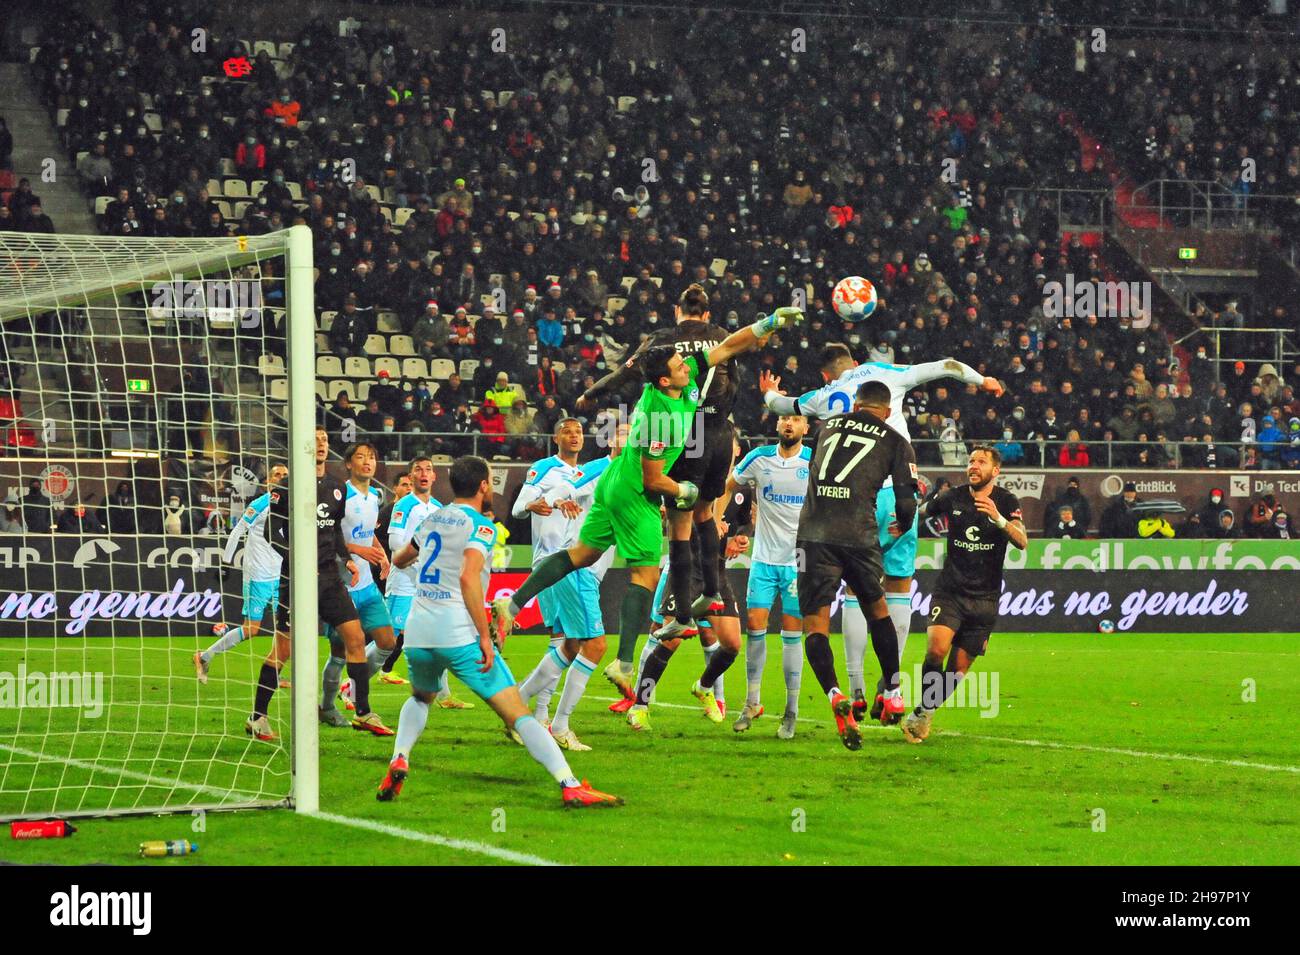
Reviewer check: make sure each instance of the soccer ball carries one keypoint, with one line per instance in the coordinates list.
(854, 298)
(1106, 626)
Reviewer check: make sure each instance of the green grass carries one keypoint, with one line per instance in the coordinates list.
(978, 791)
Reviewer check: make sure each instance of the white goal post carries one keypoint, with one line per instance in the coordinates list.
(176, 370)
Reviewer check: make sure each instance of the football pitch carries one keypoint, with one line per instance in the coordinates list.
(1128, 749)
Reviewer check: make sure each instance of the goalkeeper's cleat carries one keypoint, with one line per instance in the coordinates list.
(786, 729)
(332, 717)
(371, 723)
(392, 679)
(623, 705)
(844, 722)
(891, 708)
(707, 604)
(200, 666)
(748, 713)
(502, 615)
(584, 797)
(398, 770)
(916, 727)
(348, 694)
(706, 698)
(569, 740)
(260, 728)
(674, 629)
(638, 717)
(621, 678)
(449, 702)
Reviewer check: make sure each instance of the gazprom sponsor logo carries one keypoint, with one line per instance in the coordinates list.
(772, 497)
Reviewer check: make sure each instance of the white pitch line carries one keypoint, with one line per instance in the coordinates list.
(463, 845)
(1048, 744)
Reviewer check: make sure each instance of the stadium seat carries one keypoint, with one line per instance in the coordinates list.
(295, 190)
(440, 369)
(390, 365)
(225, 208)
(255, 187)
(214, 189)
(363, 390)
(240, 207)
(615, 303)
(387, 323)
(487, 300)
(402, 345)
(234, 188)
(357, 367)
(286, 50)
(268, 46)
(375, 193)
(329, 366)
(227, 166)
(153, 122)
(625, 103)
(320, 390)
(504, 96)
(270, 365)
(280, 389)
(322, 342)
(61, 118)
(627, 282)
(518, 389)
(389, 194)
(658, 280)
(414, 368)
(146, 100)
(101, 204)
(401, 215)
(717, 267)
(325, 321)
(80, 156)
(441, 459)
(376, 345)
(467, 367)
(341, 386)
(386, 212)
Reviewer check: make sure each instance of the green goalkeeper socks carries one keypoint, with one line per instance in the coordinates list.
(632, 617)
(546, 574)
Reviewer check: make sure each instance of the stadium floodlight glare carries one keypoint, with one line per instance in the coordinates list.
(183, 368)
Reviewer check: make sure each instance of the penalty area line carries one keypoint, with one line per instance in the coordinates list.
(463, 845)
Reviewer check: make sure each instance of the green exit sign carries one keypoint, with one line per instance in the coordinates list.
(137, 384)
(1187, 253)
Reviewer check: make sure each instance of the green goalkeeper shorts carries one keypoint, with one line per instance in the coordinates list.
(628, 522)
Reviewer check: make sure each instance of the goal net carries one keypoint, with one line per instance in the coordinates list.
(147, 389)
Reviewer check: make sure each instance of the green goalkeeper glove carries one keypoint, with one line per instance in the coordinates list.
(778, 319)
(687, 494)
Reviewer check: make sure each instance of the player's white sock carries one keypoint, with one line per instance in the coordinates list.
(228, 639)
(755, 660)
(329, 681)
(543, 748)
(376, 658)
(648, 649)
(575, 684)
(545, 676)
(444, 688)
(792, 667)
(410, 724)
(900, 611)
(542, 709)
(854, 622)
(718, 689)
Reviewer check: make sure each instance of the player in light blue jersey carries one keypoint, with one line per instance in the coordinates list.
(408, 512)
(778, 473)
(261, 572)
(576, 618)
(360, 517)
(449, 629)
(843, 377)
(553, 525)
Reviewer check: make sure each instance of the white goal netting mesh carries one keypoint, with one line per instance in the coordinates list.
(142, 401)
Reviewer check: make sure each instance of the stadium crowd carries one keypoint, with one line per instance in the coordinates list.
(498, 229)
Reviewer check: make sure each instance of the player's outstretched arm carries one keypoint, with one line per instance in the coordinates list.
(769, 386)
(752, 336)
(616, 379)
(929, 371)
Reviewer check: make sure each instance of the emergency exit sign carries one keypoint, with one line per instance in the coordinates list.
(1187, 253)
(137, 384)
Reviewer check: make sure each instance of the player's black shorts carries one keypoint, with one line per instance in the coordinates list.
(825, 565)
(972, 619)
(707, 466)
(334, 604)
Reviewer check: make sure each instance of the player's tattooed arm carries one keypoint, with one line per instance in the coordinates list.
(1014, 528)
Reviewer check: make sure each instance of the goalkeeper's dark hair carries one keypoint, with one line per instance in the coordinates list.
(654, 363)
(834, 354)
(694, 302)
(467, 474)
(873, 393)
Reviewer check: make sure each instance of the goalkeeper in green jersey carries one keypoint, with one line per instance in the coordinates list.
(625, 512)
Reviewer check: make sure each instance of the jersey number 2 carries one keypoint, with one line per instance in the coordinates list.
(427, 576)
(849, 440)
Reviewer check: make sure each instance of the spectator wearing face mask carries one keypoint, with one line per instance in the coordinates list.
(250, 157)
(1280, 528)
(1225, 527)
(489, 421)
(1066, 526)
(79, 519)
(284, 109)
(118, 512)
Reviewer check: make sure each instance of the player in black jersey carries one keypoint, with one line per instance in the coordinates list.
(335, 606)
(982, 519)
(721, 646)
(706, 460)
(838, 540)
